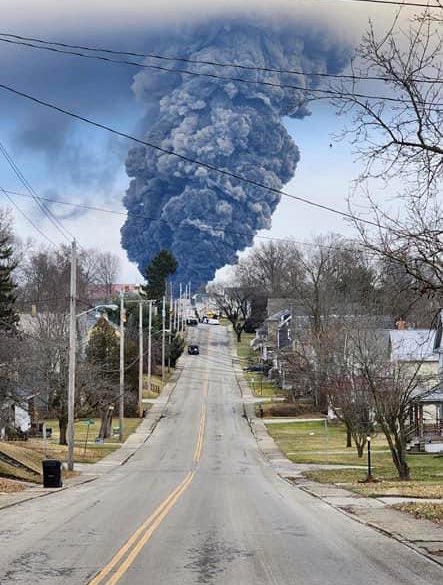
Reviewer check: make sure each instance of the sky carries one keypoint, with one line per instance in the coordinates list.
(65, 159)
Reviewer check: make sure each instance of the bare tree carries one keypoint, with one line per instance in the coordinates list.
(401, 138)
(47, 365)
(394, 386)
(272, 266)
(234, 303)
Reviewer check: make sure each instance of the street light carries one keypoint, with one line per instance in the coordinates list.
(72, 364)
(369, 477)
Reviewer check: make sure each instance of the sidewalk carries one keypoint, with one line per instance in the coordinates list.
(90, 472)
(423, 536)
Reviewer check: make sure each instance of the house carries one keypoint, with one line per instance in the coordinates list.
(15, 416)
(420, 348)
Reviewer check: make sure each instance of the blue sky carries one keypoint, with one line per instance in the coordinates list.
(63, 159)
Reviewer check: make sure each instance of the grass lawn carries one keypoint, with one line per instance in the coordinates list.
(426, 511)
(31, 453)
(314, 442)
(258, 383)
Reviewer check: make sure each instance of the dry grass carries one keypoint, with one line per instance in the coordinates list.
(426, 511)
(9, 486)
(29, 454)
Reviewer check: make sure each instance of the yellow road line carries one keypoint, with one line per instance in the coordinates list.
(147, 535)
(132, 540)
(141, 536)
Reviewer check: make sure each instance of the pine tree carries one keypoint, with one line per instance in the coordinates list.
(8, 315)
(156, 273)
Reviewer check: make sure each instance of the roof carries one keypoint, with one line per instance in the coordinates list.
(410, 345)
(279, 316)
(434, 396)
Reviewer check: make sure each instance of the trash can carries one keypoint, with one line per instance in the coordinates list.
(52, 473)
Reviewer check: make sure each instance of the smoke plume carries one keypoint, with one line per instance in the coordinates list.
(204, 217)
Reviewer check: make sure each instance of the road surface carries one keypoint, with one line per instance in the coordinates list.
(198, 504)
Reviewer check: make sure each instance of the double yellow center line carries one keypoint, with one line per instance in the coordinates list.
(127, 554)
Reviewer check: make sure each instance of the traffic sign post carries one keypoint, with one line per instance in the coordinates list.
(88, 423)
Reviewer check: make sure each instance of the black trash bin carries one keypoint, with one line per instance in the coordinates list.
(52, 473)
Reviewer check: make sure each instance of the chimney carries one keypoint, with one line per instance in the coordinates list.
(401, 324)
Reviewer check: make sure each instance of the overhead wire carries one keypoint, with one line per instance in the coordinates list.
(28, 219)
(127, 213)
(324, 92)
(398, 3)
(350, 77)
(183, 157)
(43, 208)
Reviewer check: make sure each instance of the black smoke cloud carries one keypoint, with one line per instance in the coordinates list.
(204, 217)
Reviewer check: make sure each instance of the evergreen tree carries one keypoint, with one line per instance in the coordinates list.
(8, 315)
(156, 273)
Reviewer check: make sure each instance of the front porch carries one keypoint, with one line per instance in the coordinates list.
(426, 422)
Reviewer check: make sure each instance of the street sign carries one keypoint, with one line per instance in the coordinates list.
(89, 421)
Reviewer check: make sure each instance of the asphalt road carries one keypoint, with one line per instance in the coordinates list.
(197, 504)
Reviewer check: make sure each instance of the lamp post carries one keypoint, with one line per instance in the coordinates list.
(369, 477)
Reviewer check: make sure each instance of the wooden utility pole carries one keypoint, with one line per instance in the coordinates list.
(121, 410)
(149, 346)
(170, 331)
(140, 358)
(163, 339)
(72, 355)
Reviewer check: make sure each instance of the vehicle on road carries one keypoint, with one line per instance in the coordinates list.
(193, 349)
(210, 321)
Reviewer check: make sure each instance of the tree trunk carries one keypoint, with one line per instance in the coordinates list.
(63, 425)
(360, 448)
(238, 336)
(348, 436)
(105, 427)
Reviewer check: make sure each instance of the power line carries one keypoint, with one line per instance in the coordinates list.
(168, 222)
(58, 225)
(352, 77)
(5, 193)
(398, 3)
(323, 92)
(208, 166)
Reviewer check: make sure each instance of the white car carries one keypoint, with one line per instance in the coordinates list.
(213, 322)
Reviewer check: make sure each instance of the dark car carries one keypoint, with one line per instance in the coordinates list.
(193, 349)
(263, 368)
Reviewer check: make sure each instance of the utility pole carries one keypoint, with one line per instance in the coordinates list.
(122, 366)
(72, 354)
(180, 321)
(140, 358)
(176, 315)
(163, 338)
(149, 346)
(170, 331)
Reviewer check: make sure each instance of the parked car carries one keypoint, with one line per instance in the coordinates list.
(192, 321)
(264, 368)
(193, 349)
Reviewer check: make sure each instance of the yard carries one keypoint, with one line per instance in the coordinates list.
(28, 455)
(258, 383)
(320, 442)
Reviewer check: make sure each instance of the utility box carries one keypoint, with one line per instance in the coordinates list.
(52, 473)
